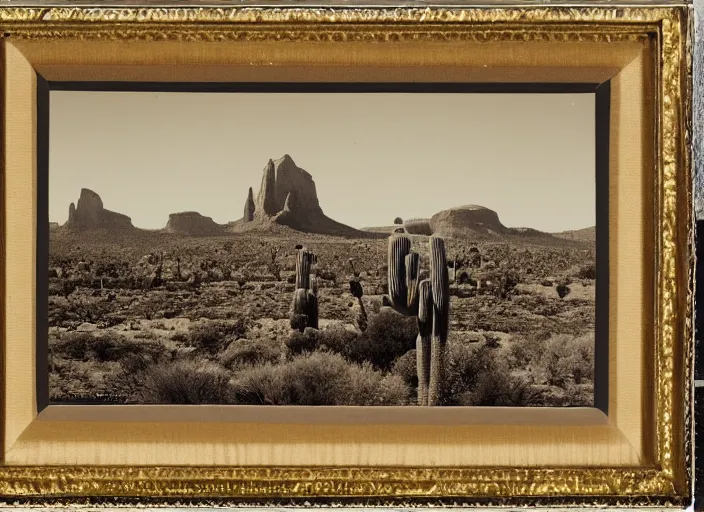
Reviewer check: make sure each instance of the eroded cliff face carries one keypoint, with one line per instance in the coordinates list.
(288, 197)
(283, 178)
(89, 213)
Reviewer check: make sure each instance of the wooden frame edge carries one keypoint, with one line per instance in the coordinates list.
(666, 484)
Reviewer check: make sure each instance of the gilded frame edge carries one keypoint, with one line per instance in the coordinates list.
(667, 484)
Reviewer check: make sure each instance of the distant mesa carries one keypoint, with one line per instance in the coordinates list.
(468, 219)
(288, 197)
(192, 224)
(89, 213)
(481, 223)
(579, 235)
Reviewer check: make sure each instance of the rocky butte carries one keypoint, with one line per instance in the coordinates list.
(462, 220)
(288, 197)
(192, 224)
(89, 213)
(478, 222)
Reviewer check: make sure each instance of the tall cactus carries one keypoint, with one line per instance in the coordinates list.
(440, 287)
(304, 307)
(429, 300)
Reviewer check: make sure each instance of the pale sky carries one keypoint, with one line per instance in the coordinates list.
(373, 156)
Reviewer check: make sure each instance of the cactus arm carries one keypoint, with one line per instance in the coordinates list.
(440, 289)
(440, 285)
(399, 247)
(412, 263)
(423, 342)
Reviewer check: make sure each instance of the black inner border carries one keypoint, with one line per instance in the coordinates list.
(602, 122)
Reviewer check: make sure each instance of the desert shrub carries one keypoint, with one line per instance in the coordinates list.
(103, 347)
(213, 336)
(491, 340)
(389, 335)
(318, 378)
(88, 310)
(525, 351)
(580, 395)
(579, 363)
(506, 283)
(306, 341)
(563, 290)
(568, 359)
(477, 376)
(71, 345)
(464, 362)
(241, 353)
(557, 350)
(336, 339)
(406, 367)
(111, 347)
(185, 382)
(495, 387)
(179, 336)
(587, 272)
(145, 335)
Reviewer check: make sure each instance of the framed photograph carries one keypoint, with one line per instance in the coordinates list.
(347, 255)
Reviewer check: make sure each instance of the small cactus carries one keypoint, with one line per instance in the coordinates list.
(357, 292)
(304, 307)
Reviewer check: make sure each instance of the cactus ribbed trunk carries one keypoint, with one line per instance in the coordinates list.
(304, 308)
(399, 247)
(425, 326)
(304, 261)
(440, 287)
(412, 279)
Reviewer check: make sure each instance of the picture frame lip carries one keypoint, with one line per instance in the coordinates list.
(381, 485)
(378, 4)
(455, 11)
(665, 498)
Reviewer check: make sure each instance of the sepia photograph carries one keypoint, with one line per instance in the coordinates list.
(329, 249)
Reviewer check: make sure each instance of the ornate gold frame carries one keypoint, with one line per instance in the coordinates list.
(665, 482)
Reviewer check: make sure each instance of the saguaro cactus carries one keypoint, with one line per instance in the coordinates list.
(429, 300)
(304, 308)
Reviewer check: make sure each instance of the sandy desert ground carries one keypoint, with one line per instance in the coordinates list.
(213, 327)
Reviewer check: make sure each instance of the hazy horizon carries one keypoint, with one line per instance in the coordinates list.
(529, 157)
